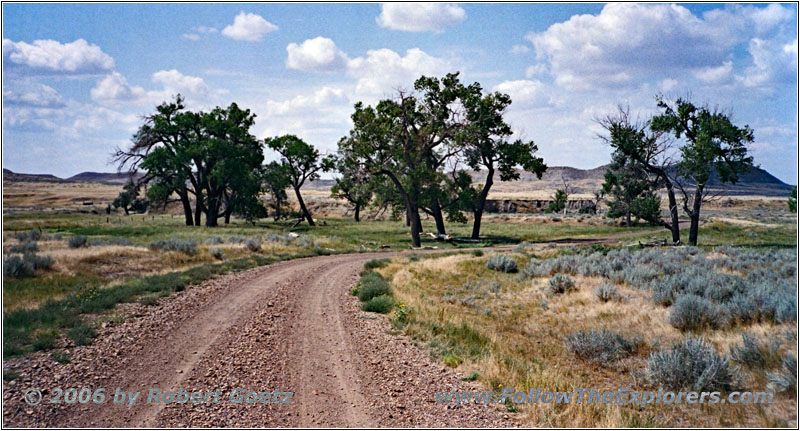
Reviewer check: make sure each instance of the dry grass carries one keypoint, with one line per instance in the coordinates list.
(509, 338)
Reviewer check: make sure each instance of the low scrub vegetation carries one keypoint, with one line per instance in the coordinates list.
(599, 346)
(691, 364)
(373, 290)
(502, 263)
(78, 241)
(755, 354)
(784, 380)
(187, 246)
(559, 284)
(25, 266)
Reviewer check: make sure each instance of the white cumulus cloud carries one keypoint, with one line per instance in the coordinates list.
(78, 57)
(248, 27)
(319, 55)
(419, 17)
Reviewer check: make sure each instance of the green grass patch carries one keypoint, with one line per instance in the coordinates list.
(379, 304)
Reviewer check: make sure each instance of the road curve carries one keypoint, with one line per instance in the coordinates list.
(290, 327)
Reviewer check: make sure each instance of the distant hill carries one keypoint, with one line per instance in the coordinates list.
(102, 177)
(757, 182)
(8, 175)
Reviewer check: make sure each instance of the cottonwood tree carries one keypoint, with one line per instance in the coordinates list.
(713, 144)
(276, 180)
(302, 164)
(398, 138)
(352, 185)
(485, 146)
(630, 189)
(129, 199)
(792, 201)
(199, 154)
(653, 150)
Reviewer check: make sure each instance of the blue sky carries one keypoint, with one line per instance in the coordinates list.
(78, 78)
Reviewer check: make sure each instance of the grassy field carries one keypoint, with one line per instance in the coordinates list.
(522, 329)
(119, 252)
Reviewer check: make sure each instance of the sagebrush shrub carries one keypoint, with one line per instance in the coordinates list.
(305, 241)
(187, 246)
(82, 334)
(14, 266)
(599, 346)
(26, 247)
(217, 253)
(477, 253)
(253, 244)
(214, 240)
(78, 241)
(111, 241)
(38, 262)
(693, 313)
(605, 292)
(690, 364)
(784, 380)
(503, 263)
(754, 354)
(30, 235)
(560, 283)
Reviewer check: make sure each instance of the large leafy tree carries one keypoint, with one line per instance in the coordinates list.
(352, 185)
(713, 144)
(485, 146)
(650, 149)
(302, 163)
(629, 189)
(402, 139)
(129, 199)
(210, 156)
(276, 181)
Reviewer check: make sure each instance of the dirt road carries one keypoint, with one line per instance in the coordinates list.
(287, 327)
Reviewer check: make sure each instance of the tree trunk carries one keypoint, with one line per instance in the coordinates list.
(695, 215)
(416, 225)
(198, 210)
(476, 224)
(212, 212)
(303, 210)
(126, 210)
(228, 212)
(187, 208)
(628, 217)
(673, 211)
(480, 204)
(355, 216)
(436, 212)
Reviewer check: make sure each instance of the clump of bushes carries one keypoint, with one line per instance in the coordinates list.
(376, 263)
(784, 380)
(690, 364)
(25, 266)
(374, 292)
(372, 285)
(253, 244)
(31, 235)
(26, 247)
(560, 283)
(503, 263)
(305, 242)
(217, 253)
(111, 241)
(78, 241)
(214, 240)
(187, 246)
(693, 313)
(477, 253)
(379, 304)
(754, 354)
(599, 346)
(605, 292)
